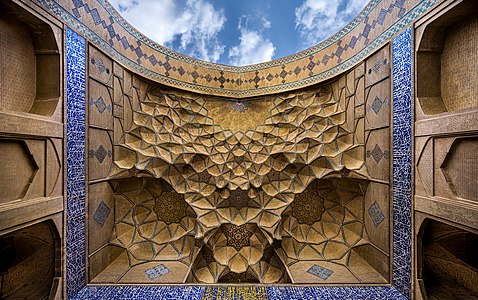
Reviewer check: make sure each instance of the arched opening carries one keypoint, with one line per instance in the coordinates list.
(30, 62)
(447, 59)
(29, 262)
(447, 261)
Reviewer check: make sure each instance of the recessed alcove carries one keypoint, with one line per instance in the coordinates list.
(18, 170)
(460, 168)
(329, 237)
(30, 262)
(30, 62)
(142, 231)
(447, 61)
(447, 261)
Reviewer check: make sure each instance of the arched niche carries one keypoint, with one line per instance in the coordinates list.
(30, 261)
(447, 266)
(30, 62)
(447, 61)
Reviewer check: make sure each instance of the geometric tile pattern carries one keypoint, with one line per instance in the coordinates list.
(402, 53)
(131, 292)
(100, 154)
(100, 104)
(331, 238)
(170, 207)
(238, 236)
(156, 271)
(101, 213)
(104, 27)
(378, 64)
(308, 207)
(320, 272)
(378, 154)
(233, 179)
(76, 244)
(238, 254)
(377, 104)
(376, 214)
(150, 230)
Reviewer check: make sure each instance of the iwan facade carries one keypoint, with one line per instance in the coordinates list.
(345, 171)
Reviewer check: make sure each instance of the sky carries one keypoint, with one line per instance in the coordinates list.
(233, 32)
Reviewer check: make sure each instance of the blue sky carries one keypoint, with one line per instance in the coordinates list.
(234, 32)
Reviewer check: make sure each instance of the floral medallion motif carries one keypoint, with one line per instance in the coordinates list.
(238, 236)
(308, 207)
(170, 207)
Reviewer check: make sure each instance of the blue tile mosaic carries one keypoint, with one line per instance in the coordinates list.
(76, 288)
(402, 78)
(334, 293)
(75, 161)
(141, 293)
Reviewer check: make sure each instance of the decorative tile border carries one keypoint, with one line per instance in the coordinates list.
(398, 4)
(141, 293)
(75, 155)
(75, 46)
(240, 293)
(334, 293)
(402, 80)
(75, 282)
(374, 27)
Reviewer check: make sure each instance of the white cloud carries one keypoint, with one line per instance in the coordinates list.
(124, 5)
(266, 23)
(253, 48)
(195, 25)
(317, 20)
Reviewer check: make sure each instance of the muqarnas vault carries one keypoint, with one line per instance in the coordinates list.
(289, 188)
